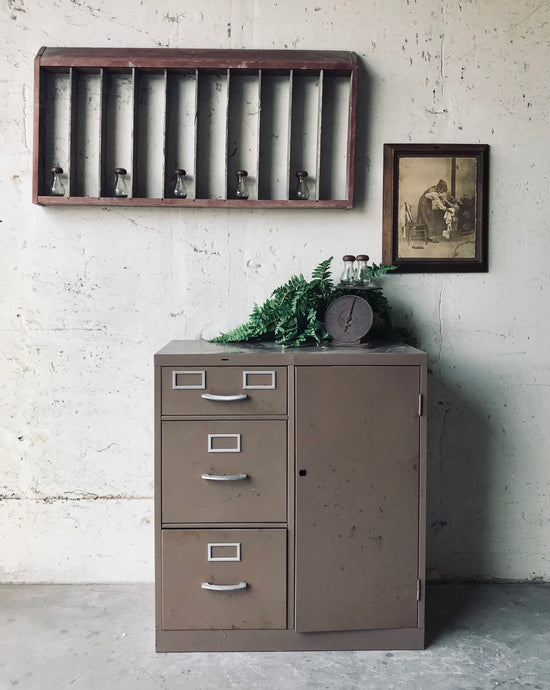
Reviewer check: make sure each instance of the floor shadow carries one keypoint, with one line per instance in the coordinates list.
(446, 606)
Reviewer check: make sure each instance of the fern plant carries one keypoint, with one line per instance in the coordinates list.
(294, 313)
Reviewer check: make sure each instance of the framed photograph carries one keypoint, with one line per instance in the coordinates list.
(435, 207)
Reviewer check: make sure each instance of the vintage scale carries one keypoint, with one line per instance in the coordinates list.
(349, 318)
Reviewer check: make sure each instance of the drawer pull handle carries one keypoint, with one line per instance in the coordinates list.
(225, 398)
(224, 588)
(225, 477)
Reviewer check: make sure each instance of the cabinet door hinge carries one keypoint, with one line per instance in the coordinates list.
(418, 590)
(420, 405)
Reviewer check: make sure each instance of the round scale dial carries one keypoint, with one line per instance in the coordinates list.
(348, 319)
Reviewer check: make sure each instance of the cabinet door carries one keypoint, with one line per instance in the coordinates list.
(357, 497)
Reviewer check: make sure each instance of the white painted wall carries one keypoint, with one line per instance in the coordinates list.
(89, 294)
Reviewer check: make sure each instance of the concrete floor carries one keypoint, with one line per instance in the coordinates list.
(100, 637)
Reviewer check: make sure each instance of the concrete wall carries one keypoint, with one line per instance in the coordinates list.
(89, 294)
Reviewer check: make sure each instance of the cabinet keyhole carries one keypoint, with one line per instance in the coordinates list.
(302, 473)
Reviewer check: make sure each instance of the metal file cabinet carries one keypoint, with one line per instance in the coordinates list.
(290, 497)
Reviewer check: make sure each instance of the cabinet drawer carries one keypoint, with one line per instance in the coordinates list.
(224, 471)
(223, 579)
(224, 390)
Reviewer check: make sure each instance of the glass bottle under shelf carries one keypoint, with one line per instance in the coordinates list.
(241, 191)
(179, 188)
(302, 191)
(121, 189)
(363, 273)
(57, 188)
(348, 271)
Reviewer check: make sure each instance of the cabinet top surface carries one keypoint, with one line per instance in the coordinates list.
(235, 353)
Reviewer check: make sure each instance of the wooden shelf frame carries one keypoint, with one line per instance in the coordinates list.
(211, 112)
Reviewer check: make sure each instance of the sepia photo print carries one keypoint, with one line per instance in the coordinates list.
(435, 210)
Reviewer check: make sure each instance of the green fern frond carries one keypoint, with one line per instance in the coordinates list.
(322, 272)
(294, 313)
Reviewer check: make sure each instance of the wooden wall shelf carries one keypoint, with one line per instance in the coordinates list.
(210, 112)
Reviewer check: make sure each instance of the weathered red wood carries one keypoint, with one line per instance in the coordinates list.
(160, 58)
(134, 60)
(37, 173)
(190, 203)
(72, 133)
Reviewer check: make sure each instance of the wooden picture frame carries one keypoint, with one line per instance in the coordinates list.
(435, 207)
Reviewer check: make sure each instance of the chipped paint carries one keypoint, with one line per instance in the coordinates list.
(73, 496)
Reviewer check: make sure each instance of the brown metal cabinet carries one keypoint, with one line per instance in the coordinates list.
(290, 497)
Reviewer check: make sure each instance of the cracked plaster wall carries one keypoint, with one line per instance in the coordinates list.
(89, 294)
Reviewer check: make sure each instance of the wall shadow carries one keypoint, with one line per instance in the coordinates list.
(462, 460)
(364, 112)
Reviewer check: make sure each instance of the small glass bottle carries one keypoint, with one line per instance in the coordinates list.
(121, 190)
(302, 191)
(363, 272)
(348, 272)
(57, 188)
(241, 191)
(179, 189)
